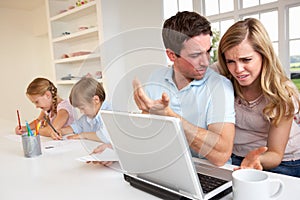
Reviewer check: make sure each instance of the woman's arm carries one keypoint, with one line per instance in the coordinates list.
(270, 156)
(277, 140)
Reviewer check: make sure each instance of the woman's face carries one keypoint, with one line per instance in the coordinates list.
(244, 64)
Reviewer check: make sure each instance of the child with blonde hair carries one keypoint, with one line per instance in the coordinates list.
(55, 110)
(88, 96)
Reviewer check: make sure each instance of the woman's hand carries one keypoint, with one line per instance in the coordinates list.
(252, 159)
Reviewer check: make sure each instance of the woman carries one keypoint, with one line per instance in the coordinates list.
(265, 100)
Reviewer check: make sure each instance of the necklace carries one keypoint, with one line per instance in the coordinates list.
(250, 104)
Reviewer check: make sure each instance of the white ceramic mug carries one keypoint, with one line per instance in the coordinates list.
(251, 184)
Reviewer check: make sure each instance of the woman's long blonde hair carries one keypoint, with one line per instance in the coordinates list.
(280, 92)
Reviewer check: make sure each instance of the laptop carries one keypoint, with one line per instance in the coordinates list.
(155, 157)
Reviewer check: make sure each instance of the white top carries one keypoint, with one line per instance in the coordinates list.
(252, 128)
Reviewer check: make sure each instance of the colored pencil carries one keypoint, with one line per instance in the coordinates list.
(19, 121)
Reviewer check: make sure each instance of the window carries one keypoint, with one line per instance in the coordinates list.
(213, 7)
(251, 3)
(270, 21)
(171, 7)
(294, 44)
(280, 18)
(223, 13)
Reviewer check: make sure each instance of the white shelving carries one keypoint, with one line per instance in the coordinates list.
(75, 34)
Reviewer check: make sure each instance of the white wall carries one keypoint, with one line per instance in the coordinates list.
(25, 51)
(24, 55)
(132, 46)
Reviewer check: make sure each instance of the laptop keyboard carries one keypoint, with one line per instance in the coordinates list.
(209, 183)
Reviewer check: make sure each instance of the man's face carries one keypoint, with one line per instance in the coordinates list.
(194, 57)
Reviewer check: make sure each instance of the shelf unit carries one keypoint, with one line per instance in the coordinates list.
(75, 34)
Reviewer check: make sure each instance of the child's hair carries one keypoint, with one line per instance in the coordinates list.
(40, 86)
(84, 91)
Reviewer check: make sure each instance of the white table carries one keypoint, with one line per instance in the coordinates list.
(56, 174)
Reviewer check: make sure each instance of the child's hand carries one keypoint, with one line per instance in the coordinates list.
(55, 136)
(20, 131)
(100, 149)
(75, 136)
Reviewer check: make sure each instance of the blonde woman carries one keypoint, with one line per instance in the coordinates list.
(267, 137)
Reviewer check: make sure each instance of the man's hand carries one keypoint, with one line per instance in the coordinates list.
(147, 105)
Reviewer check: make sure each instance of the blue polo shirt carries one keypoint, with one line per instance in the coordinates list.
(202, 102)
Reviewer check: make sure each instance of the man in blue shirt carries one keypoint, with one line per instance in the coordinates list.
(189, 90)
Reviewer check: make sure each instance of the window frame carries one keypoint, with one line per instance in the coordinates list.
(282, 7)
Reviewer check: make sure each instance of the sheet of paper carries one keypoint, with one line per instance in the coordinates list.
(107, 155)
(14, 137)
(60, 146)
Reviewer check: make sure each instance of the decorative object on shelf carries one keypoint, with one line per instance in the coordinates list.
(68, 77)
(66, 33)
(82, 28)
(74, 54)
(75, 35)
(79, 53)
(98, 74)
(62, 11)
(82, 2)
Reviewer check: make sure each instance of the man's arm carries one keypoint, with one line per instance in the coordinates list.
(215, 143)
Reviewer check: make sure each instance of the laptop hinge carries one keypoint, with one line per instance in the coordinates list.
(186, 193)
(154, 190)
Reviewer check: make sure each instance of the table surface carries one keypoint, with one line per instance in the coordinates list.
(57, 174)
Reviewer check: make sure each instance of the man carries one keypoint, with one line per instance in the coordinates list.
(201, 98)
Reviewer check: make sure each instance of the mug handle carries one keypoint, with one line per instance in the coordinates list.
(280, 189)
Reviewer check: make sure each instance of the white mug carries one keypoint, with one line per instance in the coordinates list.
(251, 184)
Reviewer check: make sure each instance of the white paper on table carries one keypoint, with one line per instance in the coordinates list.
(14, 137)
(107, 155)
(60, 146)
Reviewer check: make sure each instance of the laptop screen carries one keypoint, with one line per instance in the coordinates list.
(153, 148)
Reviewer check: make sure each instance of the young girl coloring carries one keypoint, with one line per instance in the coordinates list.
(55, 110)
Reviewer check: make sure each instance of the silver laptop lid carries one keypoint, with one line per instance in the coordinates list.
(153, 148)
